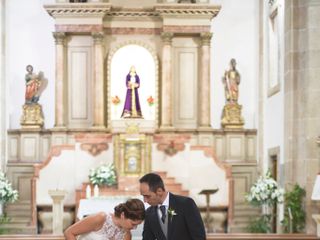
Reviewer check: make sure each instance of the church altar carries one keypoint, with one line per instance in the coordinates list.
(104, 113)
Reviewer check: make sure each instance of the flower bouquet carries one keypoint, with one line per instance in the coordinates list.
(103, 175)
(7, 193)
(265, 191)
(115, 100)
(150, 101)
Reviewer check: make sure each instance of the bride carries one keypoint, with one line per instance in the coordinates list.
(113, 226)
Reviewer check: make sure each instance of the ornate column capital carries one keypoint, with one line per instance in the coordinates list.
(206, 38)
(59, 37)
(98, 37)
(167, 37)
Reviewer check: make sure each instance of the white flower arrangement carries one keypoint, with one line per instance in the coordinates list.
(7, 193)
(103, 175)
(265, 191)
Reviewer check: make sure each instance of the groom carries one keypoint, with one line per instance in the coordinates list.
(170, 217)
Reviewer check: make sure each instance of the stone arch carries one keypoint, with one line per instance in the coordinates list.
(153, 54)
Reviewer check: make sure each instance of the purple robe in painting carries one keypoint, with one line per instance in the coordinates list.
(127, 110)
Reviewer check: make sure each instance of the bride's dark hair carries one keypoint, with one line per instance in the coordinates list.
(133, 209)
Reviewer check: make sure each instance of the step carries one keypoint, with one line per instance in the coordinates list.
(181, 192)
(11, 228)
(162, 174)
(18, 213)
(238, 228)
(22, 220)
(18, 207)
(169, 180)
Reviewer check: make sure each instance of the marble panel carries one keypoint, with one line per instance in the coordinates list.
(13, 148)
(29, 147)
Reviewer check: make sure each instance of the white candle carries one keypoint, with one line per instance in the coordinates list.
(88, 191)
(96, 191)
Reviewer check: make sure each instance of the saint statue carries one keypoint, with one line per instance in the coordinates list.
(35, 84)
(132, 107)
(231, 80)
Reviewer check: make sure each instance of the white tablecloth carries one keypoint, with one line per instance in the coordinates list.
(106, 204)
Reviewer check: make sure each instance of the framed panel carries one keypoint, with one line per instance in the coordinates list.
(274, 53)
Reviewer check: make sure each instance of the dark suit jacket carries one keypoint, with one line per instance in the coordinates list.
(186, 225)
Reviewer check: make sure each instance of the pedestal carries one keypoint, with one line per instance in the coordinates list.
(57, 210)
(32, 116)
(208, 218)
(231, 116)
(316, 217)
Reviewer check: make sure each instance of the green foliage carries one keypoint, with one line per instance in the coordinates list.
(261, 224)
(293, 200)
(3, 220)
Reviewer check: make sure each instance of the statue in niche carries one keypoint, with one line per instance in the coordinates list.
(231, 81)
(35, 84)
(231, 115)
(132, 107)
(32, 115)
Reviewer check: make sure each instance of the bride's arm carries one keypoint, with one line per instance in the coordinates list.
(88, 224)
(127, 236)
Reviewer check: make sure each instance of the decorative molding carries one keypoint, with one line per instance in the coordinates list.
(132, 12)
(78, 10)
(93, 138)
(188, 9)
(171, 144)
(98, 37)
(79, 28)
(32, 116)
(94, 143)
(94, 148)
(55, 151)
(186, 29)
(273, 90)
(133, 31)
(206, 38)
(167, 37)
(59, 37)
(209, 152)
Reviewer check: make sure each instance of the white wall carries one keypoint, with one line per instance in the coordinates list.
(3, 88)
(273, 127)
(235, 35)
(29, 40)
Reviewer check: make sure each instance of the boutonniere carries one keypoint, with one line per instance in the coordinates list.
(171, 213)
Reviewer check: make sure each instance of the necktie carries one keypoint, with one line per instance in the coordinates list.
(163, 212)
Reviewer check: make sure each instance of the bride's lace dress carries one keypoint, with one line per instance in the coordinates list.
(109, 231)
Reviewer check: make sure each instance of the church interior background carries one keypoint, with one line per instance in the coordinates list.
(189, 127)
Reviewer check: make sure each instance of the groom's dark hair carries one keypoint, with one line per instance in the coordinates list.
(153, 180)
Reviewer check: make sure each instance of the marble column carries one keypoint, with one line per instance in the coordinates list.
(204, 84)
(166, 89)
(60, 90)
(98, 86)
(57, 210)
